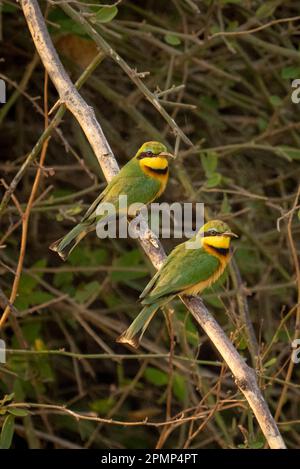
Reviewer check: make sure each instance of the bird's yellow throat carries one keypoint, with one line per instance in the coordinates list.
(217, 246)
(154, 163)
(219, 242)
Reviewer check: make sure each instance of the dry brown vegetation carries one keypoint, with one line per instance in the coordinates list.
(225, 75)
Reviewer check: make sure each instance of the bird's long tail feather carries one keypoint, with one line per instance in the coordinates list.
(135, 331)
(65, 245)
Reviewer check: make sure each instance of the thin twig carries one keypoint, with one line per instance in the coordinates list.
(254, 30)
(26, 215)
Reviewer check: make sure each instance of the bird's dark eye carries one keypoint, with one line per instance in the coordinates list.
(213, 232)
(149, 153)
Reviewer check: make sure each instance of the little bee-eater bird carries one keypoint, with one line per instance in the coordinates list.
(142, 179)
(188, 270)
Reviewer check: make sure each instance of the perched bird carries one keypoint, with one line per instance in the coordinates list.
(188, 270)
(142, 179)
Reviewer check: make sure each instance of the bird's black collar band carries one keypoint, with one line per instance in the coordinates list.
(221, 251)
(158, 170)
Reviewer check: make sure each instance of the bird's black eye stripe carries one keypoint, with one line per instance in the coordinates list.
(210, 233)
(145, 154)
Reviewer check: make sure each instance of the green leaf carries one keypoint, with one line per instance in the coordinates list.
(38, 297)
(283, 336)
(102, 406)
(156, 376)
(72, 211)
(291, 152)
(7, 398)
(232, 26)
(267, 9)
(179, 387)
(85, 429)
(59, 22)
(290, 72)
(172, 39)
(247, 259)
(214, 301)
(128, 259)
(242, 344)
(8, 8)
(68, 25)
(213, 180)
(27, 284)
(62, 279)
(262, 124)
(270, 362)
(18, 390)
(111, 299)
(58, 193)
(42, 363)
(59, 217)
(99, 256)
(275, 100)
(106, 14)
(226, 2)
(83, 256)
(21, 302)
(7, 432)
(225, 206)
(89, 289)
(79, 256)
(210, 102)
(18, 412)
(191, 330)
(40, 264)
(258, 444)
(209, 161)
(32, 330)
(215, 28)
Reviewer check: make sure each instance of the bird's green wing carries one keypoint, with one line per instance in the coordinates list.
(176, 253)
(182, 269)
(93, 207)
(114, 186)
(150, 285)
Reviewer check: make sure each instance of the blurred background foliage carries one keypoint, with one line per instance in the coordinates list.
(230, 91)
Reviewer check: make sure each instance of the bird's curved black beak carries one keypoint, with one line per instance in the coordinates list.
(166, 154)
(230, 234)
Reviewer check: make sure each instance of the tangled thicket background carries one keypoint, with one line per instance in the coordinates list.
(229, 67)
